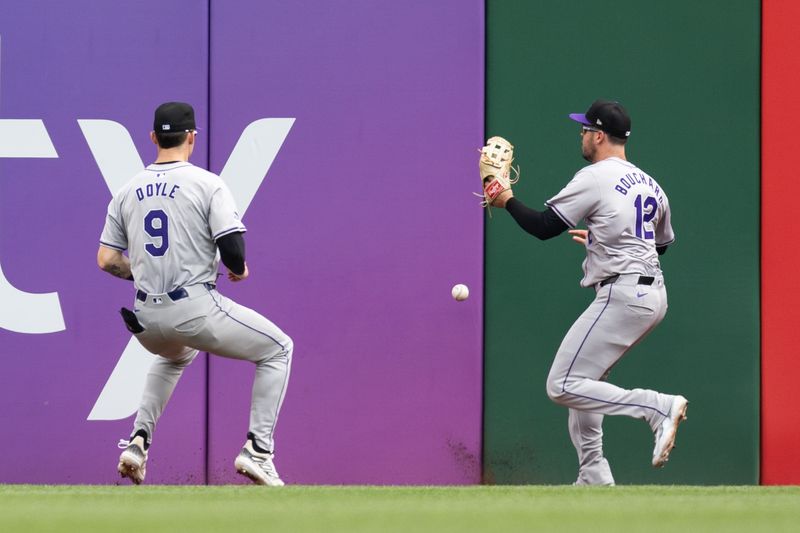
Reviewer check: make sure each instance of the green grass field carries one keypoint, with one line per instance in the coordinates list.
(29, 508)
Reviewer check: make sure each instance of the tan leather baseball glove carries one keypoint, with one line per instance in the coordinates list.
(495, 169)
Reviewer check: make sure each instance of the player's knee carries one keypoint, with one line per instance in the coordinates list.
(288, 347)
(555, 391)
(281, 350)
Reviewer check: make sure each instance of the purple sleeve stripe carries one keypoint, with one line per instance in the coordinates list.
(557, 212)
(227, 231)
(114, 246)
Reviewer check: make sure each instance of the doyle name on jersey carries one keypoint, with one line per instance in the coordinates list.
(166, 206)
(157, 189)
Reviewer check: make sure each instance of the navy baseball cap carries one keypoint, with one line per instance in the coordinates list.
(608, 116)
(174, 117)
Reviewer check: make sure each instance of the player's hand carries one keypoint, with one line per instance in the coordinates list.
(239, 277)
(502, 198)
(579, 235)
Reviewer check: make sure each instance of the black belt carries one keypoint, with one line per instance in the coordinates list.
(177, 294)
(643, 280)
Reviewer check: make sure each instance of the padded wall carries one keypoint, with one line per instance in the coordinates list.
(780, 438)
(323, 117)
(347, 253)
(89, 75)
(691, 86)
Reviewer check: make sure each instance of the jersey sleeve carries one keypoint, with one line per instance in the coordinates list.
(577, 200)
(114, 235)
(664, 233)
(223, 218)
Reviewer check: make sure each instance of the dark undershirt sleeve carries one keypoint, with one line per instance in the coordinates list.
(544, 224)
(231, 251)
(541, 224)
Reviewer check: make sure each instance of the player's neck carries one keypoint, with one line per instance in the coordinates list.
(167, 155)
(610, 151)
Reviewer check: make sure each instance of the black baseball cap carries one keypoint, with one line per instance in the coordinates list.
(174, 117)
(608, 116)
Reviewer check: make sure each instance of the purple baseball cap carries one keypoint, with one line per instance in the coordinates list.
(608, 116)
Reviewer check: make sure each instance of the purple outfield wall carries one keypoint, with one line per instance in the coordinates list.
(362, 223)
(62, 62)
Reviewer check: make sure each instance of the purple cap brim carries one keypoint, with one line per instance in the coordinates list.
(580, 117)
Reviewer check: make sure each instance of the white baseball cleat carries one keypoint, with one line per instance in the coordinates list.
(257, 466)
(133, 461)
(665, 434)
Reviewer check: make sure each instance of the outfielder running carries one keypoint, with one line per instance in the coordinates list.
(176, 221)
(628, 218)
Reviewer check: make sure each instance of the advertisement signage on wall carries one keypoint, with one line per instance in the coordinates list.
(321, 136)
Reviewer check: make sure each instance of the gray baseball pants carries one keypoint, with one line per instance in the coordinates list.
(204, 320)
(621, 315)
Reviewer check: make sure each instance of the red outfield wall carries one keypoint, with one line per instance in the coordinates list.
(780, 226)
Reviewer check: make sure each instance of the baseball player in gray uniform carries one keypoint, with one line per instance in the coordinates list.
(627, 215)
(177, 221)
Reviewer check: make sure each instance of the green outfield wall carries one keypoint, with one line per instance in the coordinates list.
(691, 85)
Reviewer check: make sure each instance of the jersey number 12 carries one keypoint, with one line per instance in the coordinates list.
(645, 212)
(156, 224)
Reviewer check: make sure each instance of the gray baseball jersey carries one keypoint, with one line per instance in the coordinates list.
(168, 218)
(627, 215)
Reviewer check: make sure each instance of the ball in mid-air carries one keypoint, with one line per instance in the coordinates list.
(460, 292)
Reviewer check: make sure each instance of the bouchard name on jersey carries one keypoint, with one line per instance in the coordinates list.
(627, 214)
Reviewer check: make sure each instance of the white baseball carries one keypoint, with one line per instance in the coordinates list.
(460, 292)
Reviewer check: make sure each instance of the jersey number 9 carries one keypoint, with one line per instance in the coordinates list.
(156, 224)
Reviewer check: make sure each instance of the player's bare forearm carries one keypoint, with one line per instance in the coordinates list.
(113, 262)
(118, 271)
